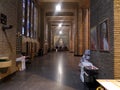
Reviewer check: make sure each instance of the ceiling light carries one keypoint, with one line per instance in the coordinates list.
(60, 25)
(60, 32)
(58, 7)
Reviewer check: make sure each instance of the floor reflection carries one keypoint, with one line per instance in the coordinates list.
(54, 71)
(60, 72)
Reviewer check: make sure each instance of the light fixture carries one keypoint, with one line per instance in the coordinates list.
(60, 25)
(58, 7)
(60, 32)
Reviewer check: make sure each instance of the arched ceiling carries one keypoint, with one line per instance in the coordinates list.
(66, 15)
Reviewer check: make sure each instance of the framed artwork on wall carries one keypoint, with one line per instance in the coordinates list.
(94, 38)
(104, 36)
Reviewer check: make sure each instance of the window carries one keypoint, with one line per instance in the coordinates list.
(29, 19)
(32, 19)
(23, 17)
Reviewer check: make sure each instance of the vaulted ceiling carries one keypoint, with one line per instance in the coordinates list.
(66, 15)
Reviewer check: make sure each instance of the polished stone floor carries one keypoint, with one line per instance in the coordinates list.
(54, 71)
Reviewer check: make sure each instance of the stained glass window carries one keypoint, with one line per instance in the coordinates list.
(28, 17)
(23, 17)
(32, 18)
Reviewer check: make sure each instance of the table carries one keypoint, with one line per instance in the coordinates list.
(90, 74)
(91, 70)
(110, 84)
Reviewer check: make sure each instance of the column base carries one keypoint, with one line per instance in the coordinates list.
(77, 55)
(71, 52)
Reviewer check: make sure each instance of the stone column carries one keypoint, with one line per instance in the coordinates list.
(45, 34)
(86, 28)
(42, 29)
(82, 31)
(75, 26)
(79, 33)
(52, 38)
(70, 38)
(49, 36)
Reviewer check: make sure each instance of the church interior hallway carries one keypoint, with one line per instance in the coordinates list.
(54, 71)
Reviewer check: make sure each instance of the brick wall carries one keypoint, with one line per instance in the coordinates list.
(8, 38)
(117, 39)
(100, 10)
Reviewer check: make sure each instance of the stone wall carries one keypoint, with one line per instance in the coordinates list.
(8, 37)
(100, 10)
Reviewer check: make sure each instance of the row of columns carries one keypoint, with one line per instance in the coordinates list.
(81, 31)
(78, 33)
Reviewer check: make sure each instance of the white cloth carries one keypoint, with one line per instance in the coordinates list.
(22, 59)
(87, 52)
(83, 64)
(86, 63)
(82, 74)
(87, 57)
